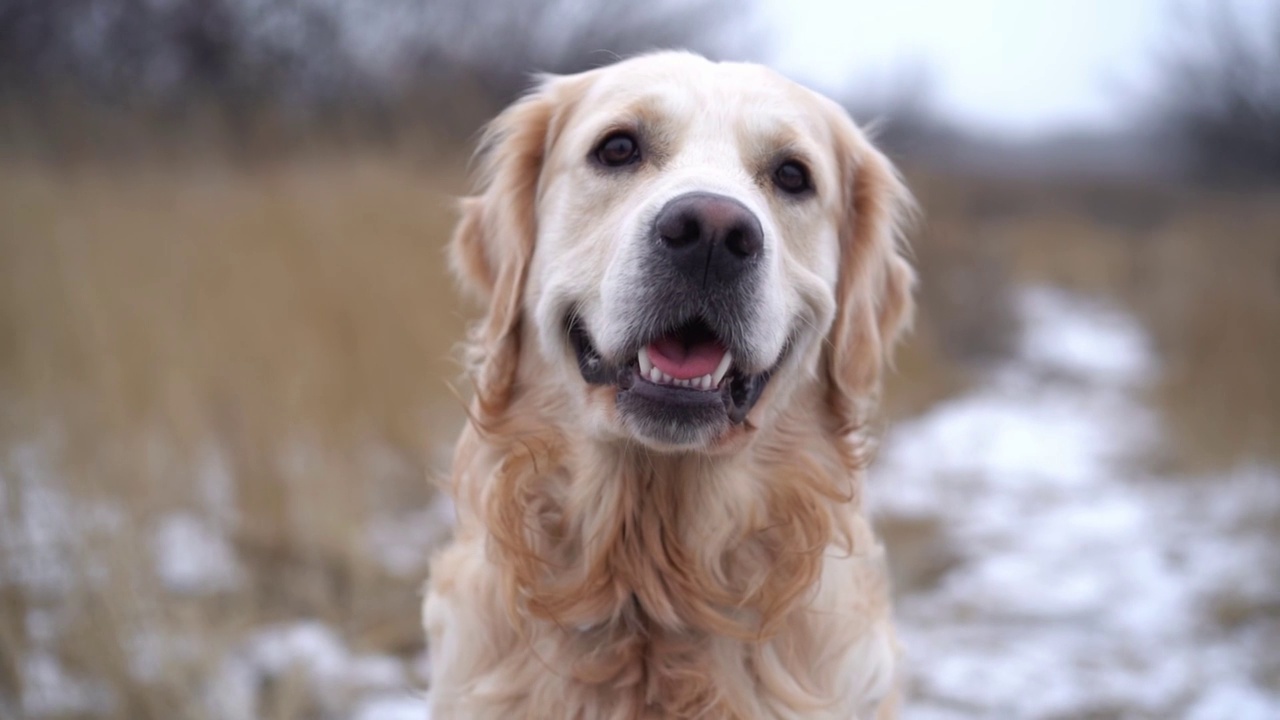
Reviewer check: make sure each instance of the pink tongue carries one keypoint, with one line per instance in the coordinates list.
(684, 362)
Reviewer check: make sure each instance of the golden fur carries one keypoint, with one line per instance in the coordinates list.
(596, 577)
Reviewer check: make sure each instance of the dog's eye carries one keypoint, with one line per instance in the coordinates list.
(617, 150)
(792, 177)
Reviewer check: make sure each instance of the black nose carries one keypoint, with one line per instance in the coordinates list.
(709, 238)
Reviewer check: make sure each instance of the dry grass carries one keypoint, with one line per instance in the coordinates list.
(1201, 269)
(1212, 300)
(288, 328)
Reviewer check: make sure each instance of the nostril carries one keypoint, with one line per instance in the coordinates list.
(681, 230)
(743, 242)
(735, 241)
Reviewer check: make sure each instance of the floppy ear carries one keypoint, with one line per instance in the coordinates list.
(873, 288)
(493, 243)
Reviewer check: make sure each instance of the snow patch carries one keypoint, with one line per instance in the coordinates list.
(193, 556)
(337, 678)
(1084, 586)
(392, 707)
(1082, 336)
(48, 689)
(46, 531)
(403, 543)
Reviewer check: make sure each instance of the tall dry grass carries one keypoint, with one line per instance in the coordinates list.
(1200, 268)
(269, 350)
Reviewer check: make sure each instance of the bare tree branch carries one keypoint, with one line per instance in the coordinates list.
(316, 60)
(1218, 92)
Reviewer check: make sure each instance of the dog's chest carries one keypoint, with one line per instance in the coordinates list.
(645, 671)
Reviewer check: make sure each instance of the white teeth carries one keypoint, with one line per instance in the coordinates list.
(645, 363)
(722, 369)
(705, 382)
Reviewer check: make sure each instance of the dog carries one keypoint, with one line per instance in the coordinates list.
(694, 275)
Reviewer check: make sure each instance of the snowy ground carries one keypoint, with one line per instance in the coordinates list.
(1072, 583)
(1043, 572)
(191, 556)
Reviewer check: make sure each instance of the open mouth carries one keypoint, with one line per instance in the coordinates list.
(683, 379)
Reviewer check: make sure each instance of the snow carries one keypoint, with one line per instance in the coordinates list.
(392, 707)
(44, 533)
(378, 686)
(402, 543)
(193, 556)
(45, 528)
(49, 689)
(1083, 585)
(1082, 336)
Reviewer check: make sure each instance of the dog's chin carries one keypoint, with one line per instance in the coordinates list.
(681, 411)
(668, 417)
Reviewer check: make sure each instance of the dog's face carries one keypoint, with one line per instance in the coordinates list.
(683, 236)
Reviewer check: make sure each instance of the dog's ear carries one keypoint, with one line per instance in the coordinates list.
(874, 286)
(494, 241)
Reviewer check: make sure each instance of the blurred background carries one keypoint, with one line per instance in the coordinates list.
(227, 374)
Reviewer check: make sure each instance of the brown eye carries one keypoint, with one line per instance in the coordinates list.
(792, 177)
(617, 150)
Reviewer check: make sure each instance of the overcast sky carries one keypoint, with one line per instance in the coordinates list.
(1014, 66)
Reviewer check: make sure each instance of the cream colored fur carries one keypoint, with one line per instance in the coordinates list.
(594, 575)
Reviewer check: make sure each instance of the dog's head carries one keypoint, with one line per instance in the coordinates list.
(674, 246)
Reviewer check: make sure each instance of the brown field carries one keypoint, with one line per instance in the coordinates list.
(291, 323)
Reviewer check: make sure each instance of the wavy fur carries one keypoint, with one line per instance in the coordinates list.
(601, 579)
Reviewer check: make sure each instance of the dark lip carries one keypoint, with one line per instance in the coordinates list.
(734, 398)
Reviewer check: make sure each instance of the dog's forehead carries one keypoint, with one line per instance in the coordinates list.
(750, 100)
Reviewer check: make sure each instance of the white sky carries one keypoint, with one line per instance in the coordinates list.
(1013, 66)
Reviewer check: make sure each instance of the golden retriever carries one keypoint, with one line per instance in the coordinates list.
(693, 273)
